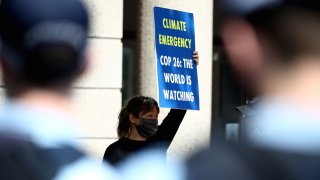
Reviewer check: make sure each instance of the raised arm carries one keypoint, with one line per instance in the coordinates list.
(170, 125)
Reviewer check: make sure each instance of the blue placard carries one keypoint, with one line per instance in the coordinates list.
(176, 70)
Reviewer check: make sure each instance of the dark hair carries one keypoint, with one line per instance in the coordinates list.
(52, 67)
(42, 44)
(292, 30)
(134, 106)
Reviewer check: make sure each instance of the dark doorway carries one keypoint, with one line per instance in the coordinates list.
(227, 91)
(129, 49)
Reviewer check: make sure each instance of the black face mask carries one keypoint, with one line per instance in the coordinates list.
(147, 127)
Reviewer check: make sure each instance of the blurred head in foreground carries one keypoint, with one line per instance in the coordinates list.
(42, 44)
(276, 47)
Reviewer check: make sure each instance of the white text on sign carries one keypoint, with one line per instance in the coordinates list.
(177, 78)
(167, 60)
(188, 63)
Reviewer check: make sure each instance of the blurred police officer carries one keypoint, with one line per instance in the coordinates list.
(276, 45)
(43, 46)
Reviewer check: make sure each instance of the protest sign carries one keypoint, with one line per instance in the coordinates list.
(176, 70)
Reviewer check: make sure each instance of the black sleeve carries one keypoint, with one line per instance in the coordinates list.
(111, 155)
(169, 127)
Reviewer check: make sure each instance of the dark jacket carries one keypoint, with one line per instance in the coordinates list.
(124, 147)
(242, 162)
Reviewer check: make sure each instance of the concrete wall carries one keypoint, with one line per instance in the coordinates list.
(97, 97)
(194, 131)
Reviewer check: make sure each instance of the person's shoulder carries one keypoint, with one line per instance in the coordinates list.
(116, 144)
(221, 161)
(236, 161)
(60, 162)
(87, 168)
(155, 166)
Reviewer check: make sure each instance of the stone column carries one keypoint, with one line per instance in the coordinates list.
(194, 131)
(97, 96)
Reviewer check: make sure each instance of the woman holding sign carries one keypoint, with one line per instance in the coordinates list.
(138, 127)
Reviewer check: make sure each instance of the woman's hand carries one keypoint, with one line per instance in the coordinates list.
(195, 56)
